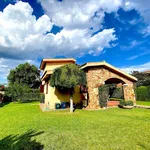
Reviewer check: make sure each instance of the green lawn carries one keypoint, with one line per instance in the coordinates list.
(144, 103)
(25, 126)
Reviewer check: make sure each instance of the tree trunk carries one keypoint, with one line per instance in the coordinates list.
(71, 100)
(71, 105)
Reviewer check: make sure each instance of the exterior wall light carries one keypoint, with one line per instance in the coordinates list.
(125, 84)
(43, 82)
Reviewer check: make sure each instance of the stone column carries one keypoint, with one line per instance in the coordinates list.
(93, 102)
(129, 93)
(93, 95)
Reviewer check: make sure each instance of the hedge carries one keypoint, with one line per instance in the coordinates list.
(115, 99)
(27, 97)
(21, 93)
(143, 93)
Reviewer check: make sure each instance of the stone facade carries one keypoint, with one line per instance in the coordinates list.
(96, 76)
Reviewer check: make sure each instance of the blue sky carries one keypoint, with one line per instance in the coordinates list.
(117, 31)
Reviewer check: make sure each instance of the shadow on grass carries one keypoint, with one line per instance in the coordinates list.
(3, 104)
(21, 142)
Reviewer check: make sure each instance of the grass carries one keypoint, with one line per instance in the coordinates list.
(24, 125)
(144, 103)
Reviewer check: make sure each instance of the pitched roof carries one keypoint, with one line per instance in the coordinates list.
(105, 64)
(44, 61)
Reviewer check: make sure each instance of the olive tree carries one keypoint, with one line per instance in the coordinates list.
(68, 77)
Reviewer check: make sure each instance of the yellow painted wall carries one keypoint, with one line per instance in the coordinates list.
(54, 96)
(52, 66)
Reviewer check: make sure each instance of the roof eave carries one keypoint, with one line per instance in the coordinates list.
(55, 60)
(110, 67)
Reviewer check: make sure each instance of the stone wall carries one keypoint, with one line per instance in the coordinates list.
(96, 76)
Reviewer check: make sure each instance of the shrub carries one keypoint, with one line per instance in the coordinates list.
(22, 93)
(126, 103)
(115, 99)
(42, 97)
(122, 103)
(103, 95)
(6, 98)
(16, 90)
(129, 103)
(28, 97)
(143, 93)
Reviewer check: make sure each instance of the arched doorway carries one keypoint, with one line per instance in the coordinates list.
(110, 92)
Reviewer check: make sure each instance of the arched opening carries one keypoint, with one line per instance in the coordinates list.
(111, 92)
(114, 81)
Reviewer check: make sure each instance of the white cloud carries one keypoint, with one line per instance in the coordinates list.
(22, 36)
(17, 24)
(133, 44)
(143, 7)
(147, 31)
(81, 14)
(139, 55)
(80, 41)
(140, 68)
(135, 21)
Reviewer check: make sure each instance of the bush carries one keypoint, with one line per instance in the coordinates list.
(115, 99)
(7, 99)
(28, 97)
(103, 95)
(22, 93)
(126, 103)
(16, 90)
(143, 93)
(122, 103)
(129, 103)
(42, 97)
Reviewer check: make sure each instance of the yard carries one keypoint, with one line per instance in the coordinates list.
(24, 125)
(144, 103)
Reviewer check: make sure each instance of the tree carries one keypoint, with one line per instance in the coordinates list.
(25, 74)
(143, 78)
(66, 78)
(24, 82)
